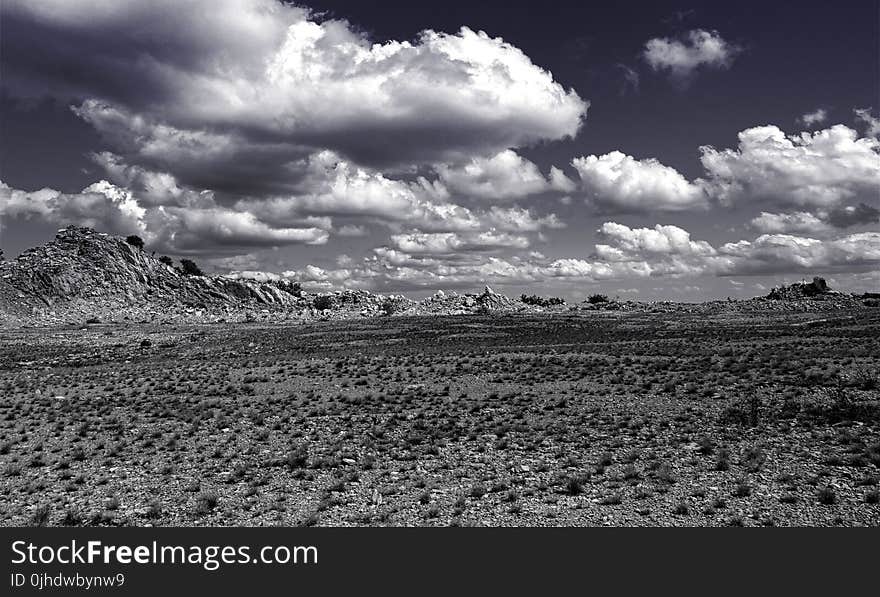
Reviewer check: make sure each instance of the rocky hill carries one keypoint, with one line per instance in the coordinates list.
(84, 274)
(88, 276)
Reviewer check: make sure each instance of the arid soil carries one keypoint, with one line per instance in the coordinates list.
(604, 418)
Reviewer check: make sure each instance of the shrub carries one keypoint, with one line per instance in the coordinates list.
(595, 299)
(206, 502)
(827, 496)
(298, 457)
(389, 306)
(742, 489)
(323, 302)
(574, 486)
(135, 241)
(541, 301)
(190, 268)
(40, 517)
(166, 260)
(478, 491)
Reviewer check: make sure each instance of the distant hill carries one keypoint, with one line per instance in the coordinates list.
(85, 274)
(88, 277)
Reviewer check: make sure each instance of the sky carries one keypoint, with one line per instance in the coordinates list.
(648, 150)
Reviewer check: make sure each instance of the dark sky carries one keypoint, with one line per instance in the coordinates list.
(787, 59)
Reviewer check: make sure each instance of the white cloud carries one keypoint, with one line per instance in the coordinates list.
(682, 57)
(332, 186)
(199, 83)
(618, 182)
(660, 240)
(800, 221)
(777, 253)
(518, 219)
(100, 205)
(817, 116)
(451, 243)
(503, 176)
(206, 229)
(818, 169)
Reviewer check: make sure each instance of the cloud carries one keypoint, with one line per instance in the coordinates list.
(853, 215)
(631, 79)
(332, 186)
(801, 221)
(819, 169)
(352, 230)
(780, 253)
(822, 222)
(451, 260)
(872, 124)
(206, 229)
(517, 219)
(212, 90)
(621, 183)
(100, 205)
(501, 177)
(694, 50)
(451, 243)
(627, 243)
(817, 116)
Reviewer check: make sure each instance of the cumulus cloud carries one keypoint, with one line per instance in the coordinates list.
(684, 56)
(815, 117)
(778, 253)
(618, 182)
(206, 229)
(800, 221)
(100, 205)
(332, 186)
(626, 242)
(208, 83)
(819, 169)
(451, 260)
(503, 176)
(822, 222)
(452, 243)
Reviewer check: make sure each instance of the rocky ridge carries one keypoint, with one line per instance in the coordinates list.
(93, 277)
(84, 276)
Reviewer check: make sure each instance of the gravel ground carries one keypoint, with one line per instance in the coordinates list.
(588, 419)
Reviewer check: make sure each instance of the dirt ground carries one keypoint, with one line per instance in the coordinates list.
(596, 419)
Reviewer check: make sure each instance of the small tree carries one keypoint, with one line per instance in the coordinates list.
(597, 298)
(135, 241)
(166, 260)
(190, 268)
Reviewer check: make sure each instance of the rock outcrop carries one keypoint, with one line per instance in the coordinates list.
(800, 290)
(84, 274)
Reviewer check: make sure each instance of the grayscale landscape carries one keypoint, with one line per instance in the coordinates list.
(249, 405)
(496, 263)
